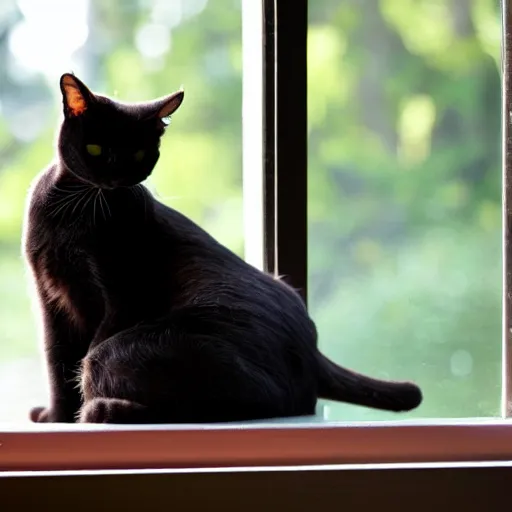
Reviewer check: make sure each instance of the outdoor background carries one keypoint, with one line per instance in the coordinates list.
(404, 170)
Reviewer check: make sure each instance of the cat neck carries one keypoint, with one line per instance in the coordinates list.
(66, 197)
(61, 176)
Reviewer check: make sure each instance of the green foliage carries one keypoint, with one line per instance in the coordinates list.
(405, 197)
(404, 176)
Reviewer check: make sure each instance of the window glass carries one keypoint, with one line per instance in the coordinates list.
(405, 197)
(133, 50)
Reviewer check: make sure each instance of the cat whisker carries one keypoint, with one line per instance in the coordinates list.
(88, 200)
(65, 198)
(100, 197)
(58, 207)
(62, 204)
(82, 200)
(73, 198)
(94, 206)
(71, 187)
(103, 197)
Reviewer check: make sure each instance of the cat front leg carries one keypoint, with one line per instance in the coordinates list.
(116, 319)
(64, 346)
(109, 326)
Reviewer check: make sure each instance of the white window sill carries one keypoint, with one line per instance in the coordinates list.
(290, 442)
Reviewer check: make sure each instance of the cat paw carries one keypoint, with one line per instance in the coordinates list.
(113, 410)
(46, 415)
(39, 415)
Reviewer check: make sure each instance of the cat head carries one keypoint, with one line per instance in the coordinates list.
(107, 143)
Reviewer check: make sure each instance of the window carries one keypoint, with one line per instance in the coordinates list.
(404, 203)
(275, 136)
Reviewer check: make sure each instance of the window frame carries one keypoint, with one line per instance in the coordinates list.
(284, 444)
(285, 141)
(421, 488)
(506, 114)
(100, 448)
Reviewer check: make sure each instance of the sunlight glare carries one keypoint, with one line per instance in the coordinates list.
(49, 34)
(153, 40)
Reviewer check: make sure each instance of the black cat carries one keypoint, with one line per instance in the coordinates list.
(156, 319)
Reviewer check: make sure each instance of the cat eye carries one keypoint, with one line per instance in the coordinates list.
(139, 155)
(93, 149)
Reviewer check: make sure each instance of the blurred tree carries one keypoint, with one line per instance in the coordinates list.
(405, 191)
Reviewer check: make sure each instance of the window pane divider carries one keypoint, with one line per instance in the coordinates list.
(285, 140)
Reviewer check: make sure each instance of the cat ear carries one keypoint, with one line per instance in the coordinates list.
(168, 105)
(75, 95)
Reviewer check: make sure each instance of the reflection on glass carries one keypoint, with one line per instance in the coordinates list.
(405, 197)
(133, 50)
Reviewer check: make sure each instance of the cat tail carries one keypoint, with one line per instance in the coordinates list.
(343, 385)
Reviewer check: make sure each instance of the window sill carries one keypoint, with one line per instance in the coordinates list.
(278, 444)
